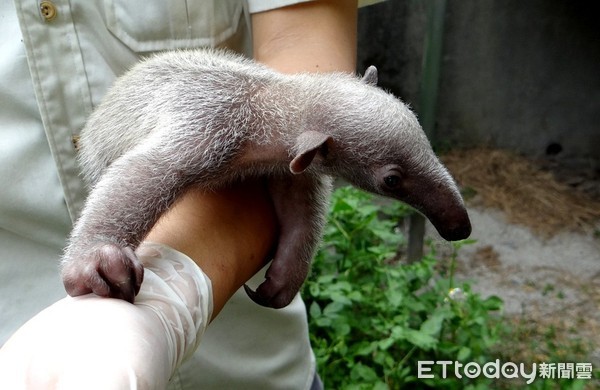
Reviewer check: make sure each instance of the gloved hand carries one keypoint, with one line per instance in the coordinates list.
(90, 342)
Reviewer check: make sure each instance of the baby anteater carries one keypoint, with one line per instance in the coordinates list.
(208, 118)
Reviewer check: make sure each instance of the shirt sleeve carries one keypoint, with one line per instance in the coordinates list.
(255, 6)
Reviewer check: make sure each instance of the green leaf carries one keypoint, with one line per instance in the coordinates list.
(340, 298)
(493, 303)
(421, 339)
(325, 279)
(365, 348)
(315, 310)
(386, 343)
(463, 354)
(380, 386)
(394, 298)
(341, 328)
(322, 322)
(362, 373)
(333, 308)
(433, 324)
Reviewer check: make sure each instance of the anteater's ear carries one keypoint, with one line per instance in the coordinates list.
(308, 144)
(370, 76)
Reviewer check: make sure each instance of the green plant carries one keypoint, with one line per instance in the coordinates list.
(373, 318)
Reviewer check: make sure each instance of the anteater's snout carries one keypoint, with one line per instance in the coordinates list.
(455, 228)
(458, 233)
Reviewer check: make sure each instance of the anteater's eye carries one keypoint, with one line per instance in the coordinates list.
(392, 181)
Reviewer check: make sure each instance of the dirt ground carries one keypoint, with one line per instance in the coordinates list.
(534, 252)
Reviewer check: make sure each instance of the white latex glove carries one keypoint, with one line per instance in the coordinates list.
(90, 342)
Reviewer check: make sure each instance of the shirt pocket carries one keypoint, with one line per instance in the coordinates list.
(154, 25)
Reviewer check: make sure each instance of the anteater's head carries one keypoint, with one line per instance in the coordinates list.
(374, 141)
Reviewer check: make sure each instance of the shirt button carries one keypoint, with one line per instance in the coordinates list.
(48, 10)
(75, 141)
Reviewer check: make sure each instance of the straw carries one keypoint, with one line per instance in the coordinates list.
(527, 194)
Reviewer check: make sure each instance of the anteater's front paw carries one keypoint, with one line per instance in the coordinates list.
(272, 293)
(107, 270)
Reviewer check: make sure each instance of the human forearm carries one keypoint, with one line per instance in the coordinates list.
(317, 36)
(228, 233)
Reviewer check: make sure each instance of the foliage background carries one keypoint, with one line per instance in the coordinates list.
(373, 316)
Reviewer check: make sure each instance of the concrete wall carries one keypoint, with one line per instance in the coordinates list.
(516, 74)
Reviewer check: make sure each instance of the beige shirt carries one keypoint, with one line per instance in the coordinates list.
(58, 59)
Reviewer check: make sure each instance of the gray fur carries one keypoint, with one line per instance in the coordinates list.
(209, 118)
